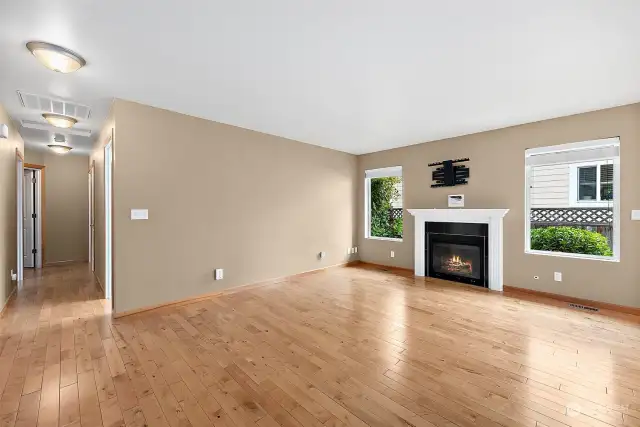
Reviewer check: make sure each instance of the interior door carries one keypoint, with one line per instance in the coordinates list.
(29, 220)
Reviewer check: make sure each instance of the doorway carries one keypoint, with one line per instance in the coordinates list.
(32, 201)
(92, 228)
(29, 218)
(20, 216)
(108, 220)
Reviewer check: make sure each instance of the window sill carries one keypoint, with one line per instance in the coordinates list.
(591, 204)
(388, 239)
(574, 256)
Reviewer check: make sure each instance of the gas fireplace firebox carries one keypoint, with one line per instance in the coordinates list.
(457, 251)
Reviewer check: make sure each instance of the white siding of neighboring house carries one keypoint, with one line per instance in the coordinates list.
(550, 186)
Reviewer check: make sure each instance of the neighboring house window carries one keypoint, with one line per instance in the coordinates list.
(572, 200)
(383, 203)
(593, 183)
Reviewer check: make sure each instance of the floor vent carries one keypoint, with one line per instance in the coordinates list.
(582, 307)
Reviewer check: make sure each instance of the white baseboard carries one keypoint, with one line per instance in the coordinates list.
(47, 264)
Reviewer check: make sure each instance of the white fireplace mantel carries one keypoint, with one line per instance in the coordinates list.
(493, 217)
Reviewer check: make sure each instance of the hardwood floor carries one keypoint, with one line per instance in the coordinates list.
(345, 347)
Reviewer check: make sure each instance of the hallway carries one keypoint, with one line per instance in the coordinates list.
(54, 334)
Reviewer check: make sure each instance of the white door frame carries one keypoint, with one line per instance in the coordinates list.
(108, 218)
(20, 214)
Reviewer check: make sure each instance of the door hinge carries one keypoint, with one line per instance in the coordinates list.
(34, 216)
(33, 180)
(34, 251)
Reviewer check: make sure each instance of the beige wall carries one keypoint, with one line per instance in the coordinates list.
(66, 205)
(219, 196)
(497, 181)
(8, 208)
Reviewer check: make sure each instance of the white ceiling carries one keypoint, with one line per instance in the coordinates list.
(354, 75)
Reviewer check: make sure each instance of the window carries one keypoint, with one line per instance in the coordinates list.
(592, 182)
(587, 183)
(572, 200)
(383, 204)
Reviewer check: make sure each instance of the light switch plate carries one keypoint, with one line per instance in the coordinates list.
(137, 214)
(218, 274)
(635, 215)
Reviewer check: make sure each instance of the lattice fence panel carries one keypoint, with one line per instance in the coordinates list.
(395, 213)
(572, 216)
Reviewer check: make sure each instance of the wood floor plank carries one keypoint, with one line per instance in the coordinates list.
(134, 417)
(49, 410)
(125, 392)
(152, 411)
(113, 357)
(69, 406)
(90, 415)
(11, 396)
(111, 413)
(104, 382)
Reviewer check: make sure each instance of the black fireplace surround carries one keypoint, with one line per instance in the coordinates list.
(457, 251)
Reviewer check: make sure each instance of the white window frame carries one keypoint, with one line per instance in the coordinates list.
(573, 189)
(573, 185)
(379, 173)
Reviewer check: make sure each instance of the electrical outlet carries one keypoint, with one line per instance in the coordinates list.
(14, 276)
(218, 274)
(557, 276)
(321, 255)
(393, 254)
(348, 251)
(355, 250)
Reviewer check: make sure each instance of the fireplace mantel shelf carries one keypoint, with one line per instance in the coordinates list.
(493, 217)
(482, 216)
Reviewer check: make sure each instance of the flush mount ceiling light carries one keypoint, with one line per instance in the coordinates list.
(55, 57)
(60, 121)
(59, 149)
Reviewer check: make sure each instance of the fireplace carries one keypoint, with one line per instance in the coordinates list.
(492, 219)
(457, 251)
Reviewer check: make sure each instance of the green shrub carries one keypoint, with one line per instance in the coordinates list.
(570, 240)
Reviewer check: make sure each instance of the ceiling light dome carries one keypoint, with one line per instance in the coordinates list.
(59, 149)
(60, 121)
(55, 57)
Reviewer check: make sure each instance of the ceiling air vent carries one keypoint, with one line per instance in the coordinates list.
(45, 104)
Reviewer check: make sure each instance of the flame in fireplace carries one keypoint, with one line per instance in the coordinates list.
(456, 264)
